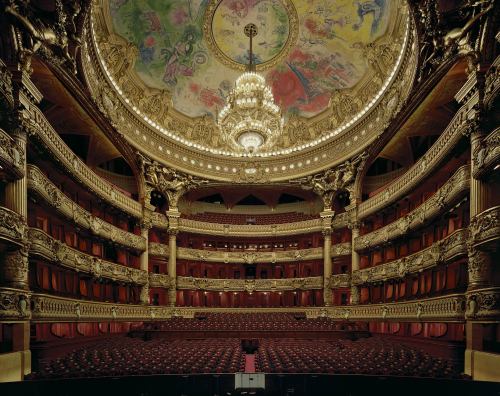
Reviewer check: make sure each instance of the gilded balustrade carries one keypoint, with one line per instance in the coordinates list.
(44, 188)
(160, 280)
(450, 308)
(249, 285)
(453, 246)
(43, 245)
(248, 257)
(41, 129)
(414, 177)
(444, 308)
(444, 197)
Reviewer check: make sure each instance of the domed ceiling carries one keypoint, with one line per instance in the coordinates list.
(196, 49)
(162, 70)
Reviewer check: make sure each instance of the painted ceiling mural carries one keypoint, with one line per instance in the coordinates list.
(305, 49)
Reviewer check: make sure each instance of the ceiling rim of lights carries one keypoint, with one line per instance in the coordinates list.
(265, 154)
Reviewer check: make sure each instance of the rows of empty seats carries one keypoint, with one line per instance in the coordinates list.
(368, 356)
(124, 356)
(250, 321)
(231, 218)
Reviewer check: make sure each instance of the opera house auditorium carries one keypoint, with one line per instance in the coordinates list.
(249, 197)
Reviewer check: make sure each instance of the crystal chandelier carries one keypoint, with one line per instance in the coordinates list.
(250, 118)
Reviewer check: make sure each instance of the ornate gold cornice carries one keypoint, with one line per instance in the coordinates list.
(443, 251)
(48, 248)
(249, 285)
(44, 188)
(12, 226)
(443, 198)
(188, 156)
(421, 169)
(40, 128)
(485, 228)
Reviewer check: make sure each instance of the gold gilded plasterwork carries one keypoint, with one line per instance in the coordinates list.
(180, 153)
(293, 32)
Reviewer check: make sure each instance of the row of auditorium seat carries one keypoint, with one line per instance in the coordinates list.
(367, 356)
(251, 321)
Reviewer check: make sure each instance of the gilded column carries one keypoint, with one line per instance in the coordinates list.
(327, 217)
(173, 230)
(144, 261)
(354, 262)
(172, 266)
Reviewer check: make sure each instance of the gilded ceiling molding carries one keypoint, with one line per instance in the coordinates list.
(459, 126)
(446, 196)
(41, 130)
(171, 183)
(44, 246)
(176, 154)
(249, 285)
(328, 183)
(39, 184)
(440, 252)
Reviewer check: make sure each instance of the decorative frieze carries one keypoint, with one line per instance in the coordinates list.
(423, 167)
(487, 155)
(12, 156)
(444, 197)
(483, 304)
(249, 285)
(12, 226)
(43, 245)
(14, 304)
(485, 227)
(161, 280)
(451, 247)
(44, 188)
(41, 129)
(339, 281)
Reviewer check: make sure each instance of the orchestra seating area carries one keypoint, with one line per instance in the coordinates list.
(125, 356)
